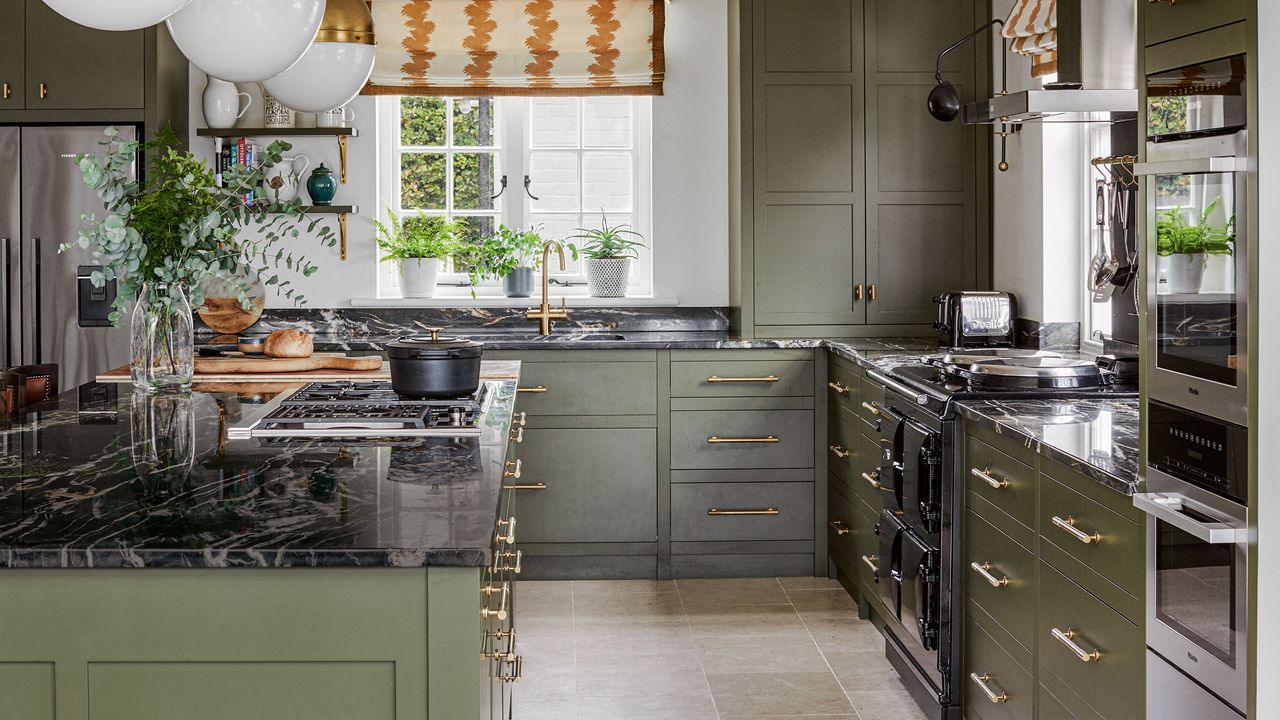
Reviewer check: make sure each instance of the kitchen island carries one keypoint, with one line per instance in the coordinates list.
(150, 569)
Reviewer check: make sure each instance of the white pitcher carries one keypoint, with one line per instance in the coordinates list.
(221, 102)
(283, 180)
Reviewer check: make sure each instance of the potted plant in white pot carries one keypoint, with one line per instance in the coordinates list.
(609, 251)
(511, 256)
(416, 246)
(1182, 250)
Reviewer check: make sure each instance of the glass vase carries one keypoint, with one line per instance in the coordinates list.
(162, 339)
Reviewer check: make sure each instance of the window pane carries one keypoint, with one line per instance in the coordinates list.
(606, 181)
(622, 221)
(554, 178)
(553, 122)
(475, 122)
(476, 229)
(475, 180)
(422, 121)
(559, 227)
(422, 180)
(606, 122)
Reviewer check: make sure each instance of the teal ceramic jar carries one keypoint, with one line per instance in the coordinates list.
(321, 186)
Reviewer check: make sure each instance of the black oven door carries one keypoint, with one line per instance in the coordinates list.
(921, 479)
(892, 436)
(919, 598)
(889, 575)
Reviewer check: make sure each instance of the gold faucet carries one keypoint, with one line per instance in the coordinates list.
(545, 313)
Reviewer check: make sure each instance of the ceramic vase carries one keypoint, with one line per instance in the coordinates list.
(1183, 273)
(221, 104)
(321, 186)
(518, 283)
(608, 277)
(418, 277)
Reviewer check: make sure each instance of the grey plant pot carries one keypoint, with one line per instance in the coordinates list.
(607, 277)
(518, 283)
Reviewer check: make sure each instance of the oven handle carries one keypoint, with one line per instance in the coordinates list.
(919, 397)
(1194, 166)
(1168, 507)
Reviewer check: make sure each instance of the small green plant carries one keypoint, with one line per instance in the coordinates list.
(423, 237)
(505, 251)
(1175, 237)
(606, 242)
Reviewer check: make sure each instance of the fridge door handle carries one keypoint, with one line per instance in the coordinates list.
(5, 309)
(33, 280)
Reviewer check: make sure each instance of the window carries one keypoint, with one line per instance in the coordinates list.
(468, 159)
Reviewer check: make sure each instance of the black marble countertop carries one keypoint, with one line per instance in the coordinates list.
(103, 477)
(1098, 438)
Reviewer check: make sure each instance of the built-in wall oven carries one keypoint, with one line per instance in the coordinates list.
(1197, 565)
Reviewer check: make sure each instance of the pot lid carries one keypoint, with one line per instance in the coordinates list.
(1038, 367)
(435, 345)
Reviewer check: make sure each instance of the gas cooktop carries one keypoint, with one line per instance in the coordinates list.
(939, 386)
(363, 410)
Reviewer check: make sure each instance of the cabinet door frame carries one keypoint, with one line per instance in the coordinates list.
(57, 51)
(13, 53)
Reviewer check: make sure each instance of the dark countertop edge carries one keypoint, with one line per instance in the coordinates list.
(159, 558)
(1126, 486)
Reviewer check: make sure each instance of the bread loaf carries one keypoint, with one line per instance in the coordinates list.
(288, 343)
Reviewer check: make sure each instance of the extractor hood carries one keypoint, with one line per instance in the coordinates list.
(1097, 70)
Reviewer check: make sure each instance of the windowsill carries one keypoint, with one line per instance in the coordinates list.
(499, 301)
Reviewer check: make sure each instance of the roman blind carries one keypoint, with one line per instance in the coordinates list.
(518, 47)
(1032, 28)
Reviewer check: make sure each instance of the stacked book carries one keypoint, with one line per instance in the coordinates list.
(236, 151)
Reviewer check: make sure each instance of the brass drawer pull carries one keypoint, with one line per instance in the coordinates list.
(7, 91)
(871, 292)
(764, 511)
(1070, 526)
(984, 569)
(761, 379)
(839, 452)
(1067, 637)
(517, 434)
(857, 291)
(839, 527)
(501, 611)
(871, 408)
(716, 440)
(839, 388)
(536, 389)
(44, 91)
(498, 557)
(520, 421)
(982, 681)
(515, 469)
(985, 475)
(525, 486)
(508, 537)
(873, 562)
(873, 479)
(517, 667)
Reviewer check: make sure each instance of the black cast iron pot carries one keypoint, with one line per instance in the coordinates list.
(434, 367)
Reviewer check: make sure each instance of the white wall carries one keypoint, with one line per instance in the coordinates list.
(690, 237)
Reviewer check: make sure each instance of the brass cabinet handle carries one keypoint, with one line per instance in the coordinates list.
(857, 291)
(509, 537)
(517, 668)
(873, 479)
(838, 387)
(871, 292)
(44, 91)
(517, 434)
(536, 389)
(1067, 637)
(516, 467)
(525, 486)
(763, 511)
(498, 557)
(839, 452)
(985, 474)
(1157, 2)
(981, 681)
(7, 91)
(873, 562)
(520, 420)
(717, 440)
(984, 569)
(1070, 526)
(760, 379)
(871, 408)
(501, 611)
(839, 527)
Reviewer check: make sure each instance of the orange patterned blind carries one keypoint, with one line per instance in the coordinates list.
(1032, 25)
(518, 47)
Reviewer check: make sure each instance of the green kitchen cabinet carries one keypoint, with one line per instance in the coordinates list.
(70, 66)
(12, 55)
(1163, 21)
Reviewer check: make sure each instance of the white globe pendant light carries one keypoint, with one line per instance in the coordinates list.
(245, 40)
(336, 66)
(116, 14)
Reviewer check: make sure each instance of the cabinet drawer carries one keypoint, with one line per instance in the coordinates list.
(1168, 20)
(1010, 598)
(866, 547)
(741, 511)
(741, 439)
(870, 398)
(601, 486)
(1099, 549)
(842, 522)
(1110, 678)
(742, 378)
(855, 459)
(990, 671)
(588, 388)
(844, 386)
(1004, 482)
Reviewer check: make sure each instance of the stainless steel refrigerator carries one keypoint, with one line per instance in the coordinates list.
(51, 312)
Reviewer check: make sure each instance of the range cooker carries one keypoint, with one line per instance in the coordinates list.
(920, 471)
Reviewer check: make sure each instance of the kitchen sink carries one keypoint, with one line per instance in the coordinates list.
(499, 337)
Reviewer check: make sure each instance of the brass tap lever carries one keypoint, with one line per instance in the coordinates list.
(545, 313)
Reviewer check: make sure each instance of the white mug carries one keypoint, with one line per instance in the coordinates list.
(221, 103)
(337, 117)
(275, 114)
(283, 180)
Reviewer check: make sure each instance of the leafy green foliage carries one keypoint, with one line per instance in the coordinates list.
(504, 251)
(421, 237)
(606, 241)
(179, 227)
(1175, 236)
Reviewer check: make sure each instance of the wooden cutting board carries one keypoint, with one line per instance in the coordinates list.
(317, 368)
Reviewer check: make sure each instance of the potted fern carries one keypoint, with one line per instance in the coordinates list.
(609, 250)
(509, 255)
(416, 246)
(1183, 250)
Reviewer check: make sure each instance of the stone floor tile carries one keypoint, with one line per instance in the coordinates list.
(651, 706)
(750, 591)
(886, 705)
(808, 583)
(754, 654)
(597, 587)
(863, 670)
(621, 674)
(739, 696)
(740, 620)
(822, 600)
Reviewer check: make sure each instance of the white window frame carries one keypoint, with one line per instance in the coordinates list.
(514, 207)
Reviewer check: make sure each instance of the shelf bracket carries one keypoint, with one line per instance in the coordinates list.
(342, 167)
(342, 235)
